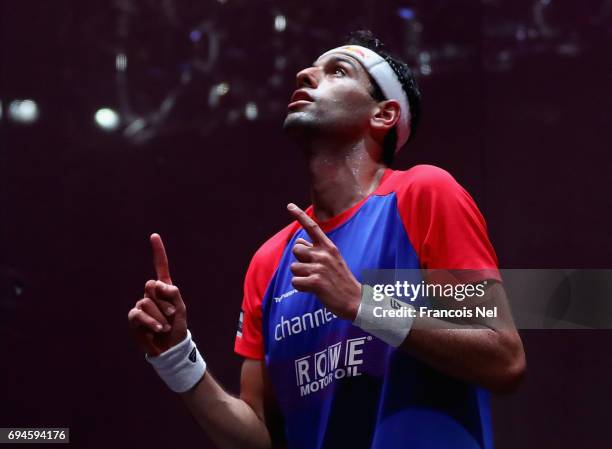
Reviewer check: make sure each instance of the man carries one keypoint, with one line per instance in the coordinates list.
(312, 376)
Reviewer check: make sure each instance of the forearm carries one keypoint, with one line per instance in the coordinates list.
(492, 358)
(229, 421)
(483, 350)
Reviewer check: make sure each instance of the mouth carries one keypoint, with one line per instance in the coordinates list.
(299, 97)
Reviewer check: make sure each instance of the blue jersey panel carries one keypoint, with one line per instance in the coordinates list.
(338, 386)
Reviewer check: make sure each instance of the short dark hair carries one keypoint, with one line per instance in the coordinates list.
(365, 38)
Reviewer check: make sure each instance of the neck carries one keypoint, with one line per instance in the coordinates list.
(342, 176)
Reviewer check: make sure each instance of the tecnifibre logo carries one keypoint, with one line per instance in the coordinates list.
(193, 355)
(285, 295)
(343, 359)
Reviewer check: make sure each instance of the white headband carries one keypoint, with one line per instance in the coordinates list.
(387, 80)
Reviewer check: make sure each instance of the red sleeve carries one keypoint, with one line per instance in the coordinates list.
(249, 337)
(443, 223)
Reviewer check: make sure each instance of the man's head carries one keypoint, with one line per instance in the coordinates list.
(351, 92)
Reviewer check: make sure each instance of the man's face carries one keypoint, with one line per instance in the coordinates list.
(333, 99)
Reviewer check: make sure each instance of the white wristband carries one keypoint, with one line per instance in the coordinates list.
(385, 318)
(181, 366)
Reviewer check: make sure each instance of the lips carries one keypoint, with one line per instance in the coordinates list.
(300, 95)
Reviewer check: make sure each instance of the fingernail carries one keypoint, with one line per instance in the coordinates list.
(159, 327)
(167, 328)
(170, 310)
(291, 206)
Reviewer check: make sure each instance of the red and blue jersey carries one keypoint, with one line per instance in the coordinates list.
(338, 386)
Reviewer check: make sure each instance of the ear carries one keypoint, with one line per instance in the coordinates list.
(385, 116)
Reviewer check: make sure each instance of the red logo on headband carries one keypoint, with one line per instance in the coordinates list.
(356, 50)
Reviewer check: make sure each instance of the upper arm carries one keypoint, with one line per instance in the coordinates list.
(256, 391)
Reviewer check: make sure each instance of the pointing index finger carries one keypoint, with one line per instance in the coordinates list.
(160, 260)
(310, 226)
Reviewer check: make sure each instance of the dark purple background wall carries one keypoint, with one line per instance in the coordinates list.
(530, 141)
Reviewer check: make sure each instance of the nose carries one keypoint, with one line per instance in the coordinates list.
(307, 77)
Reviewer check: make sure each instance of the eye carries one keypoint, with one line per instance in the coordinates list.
(339, 71)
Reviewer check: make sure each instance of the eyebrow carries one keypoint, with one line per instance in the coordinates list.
(341, 59)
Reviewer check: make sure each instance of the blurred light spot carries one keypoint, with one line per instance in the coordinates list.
(121, 62)
(406, 13)
(222, 88)
(425, 69)
(107, 119)
(195, 35)
(424, 57)
(23, 111)
(280, 23)
(216, 92)
(233, 115)
(504, 56)
(276, 80)
(450, 51)
(186, 76)
(503, 60)
(568, 49)
(280, 62)
(250, 111)
(131, 131)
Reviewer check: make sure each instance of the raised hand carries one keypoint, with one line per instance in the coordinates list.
(321, 269)
(159, 320)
